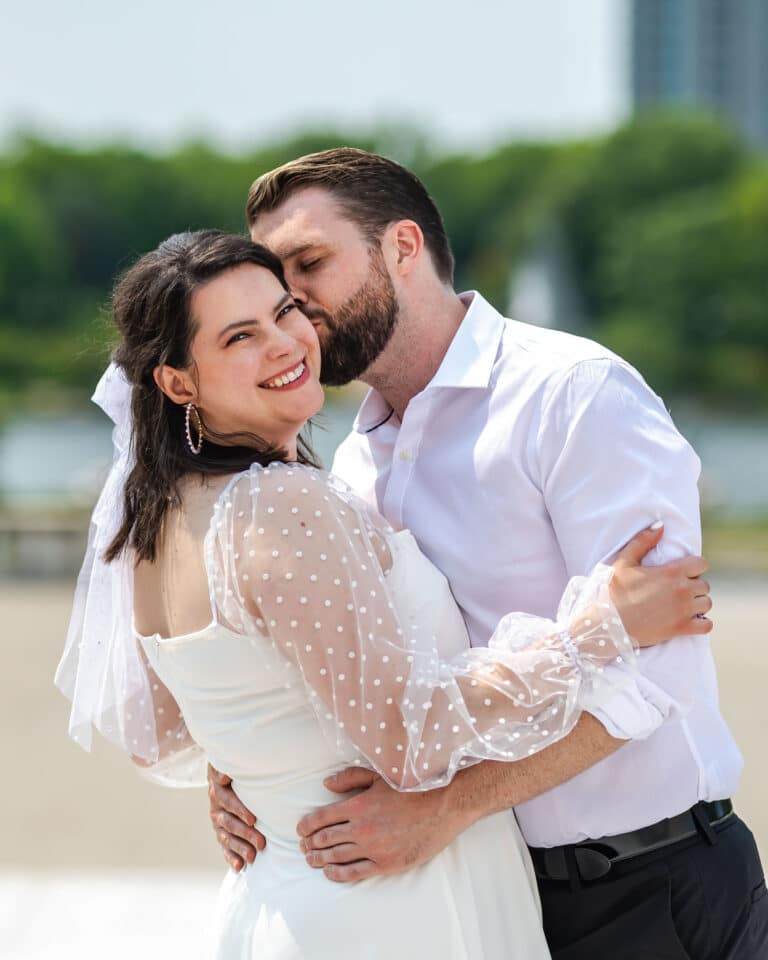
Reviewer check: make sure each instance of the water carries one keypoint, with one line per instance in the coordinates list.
(734, 457)
(63, 460)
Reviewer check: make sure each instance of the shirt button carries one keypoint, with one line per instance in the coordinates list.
(405, 454)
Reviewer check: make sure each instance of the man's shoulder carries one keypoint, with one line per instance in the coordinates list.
(548, 352)
(549, 370)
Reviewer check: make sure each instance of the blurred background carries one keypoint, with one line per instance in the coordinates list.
(602, 168)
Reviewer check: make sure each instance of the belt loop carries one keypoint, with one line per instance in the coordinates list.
(572, 866)
(699, 813)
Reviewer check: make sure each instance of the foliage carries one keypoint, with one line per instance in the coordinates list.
(666, 221)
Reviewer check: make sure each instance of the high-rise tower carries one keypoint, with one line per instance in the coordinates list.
(708, 53)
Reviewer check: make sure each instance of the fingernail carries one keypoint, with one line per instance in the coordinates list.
(657, 526)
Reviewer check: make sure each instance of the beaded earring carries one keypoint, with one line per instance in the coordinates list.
(191, 409)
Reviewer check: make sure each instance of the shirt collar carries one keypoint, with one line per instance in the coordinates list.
(468, 362)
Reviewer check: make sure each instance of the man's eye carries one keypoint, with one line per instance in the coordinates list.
(308, 266)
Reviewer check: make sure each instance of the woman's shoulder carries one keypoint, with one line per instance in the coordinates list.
(267, 496)
(280, 486)
(277, 477)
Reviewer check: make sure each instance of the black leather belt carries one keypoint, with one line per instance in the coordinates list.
(593, 859)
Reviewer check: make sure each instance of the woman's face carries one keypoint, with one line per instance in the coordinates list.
(257, 357)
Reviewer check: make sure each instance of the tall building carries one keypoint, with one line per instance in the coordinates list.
(708, 53)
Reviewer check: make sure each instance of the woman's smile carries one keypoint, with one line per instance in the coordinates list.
(289, 379)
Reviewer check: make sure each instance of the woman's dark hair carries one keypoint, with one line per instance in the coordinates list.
(151, 307)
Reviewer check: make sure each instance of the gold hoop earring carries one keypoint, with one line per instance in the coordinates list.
(191, 409)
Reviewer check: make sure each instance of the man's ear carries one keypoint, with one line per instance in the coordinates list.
(177, 385)
(406, 245)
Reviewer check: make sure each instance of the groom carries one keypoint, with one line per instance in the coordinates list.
(519, 457)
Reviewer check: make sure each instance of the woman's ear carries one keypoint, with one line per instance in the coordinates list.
(177, 385)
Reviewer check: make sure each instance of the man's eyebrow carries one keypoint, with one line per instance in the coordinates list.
(295, 251)
(253, 321)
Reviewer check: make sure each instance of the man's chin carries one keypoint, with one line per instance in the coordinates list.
(337, 381)
(341, 376)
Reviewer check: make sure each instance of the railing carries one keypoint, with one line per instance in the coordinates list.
(42, 546)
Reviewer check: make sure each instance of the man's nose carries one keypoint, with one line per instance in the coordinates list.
(298, 294)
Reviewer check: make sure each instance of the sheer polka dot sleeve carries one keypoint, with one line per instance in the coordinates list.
(300, 563)
(177, 760)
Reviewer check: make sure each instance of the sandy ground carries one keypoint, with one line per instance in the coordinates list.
(69, 818)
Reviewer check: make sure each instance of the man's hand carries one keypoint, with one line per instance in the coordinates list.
(233, 823)
(379, 831)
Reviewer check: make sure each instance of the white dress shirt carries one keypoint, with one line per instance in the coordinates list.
(530, 457)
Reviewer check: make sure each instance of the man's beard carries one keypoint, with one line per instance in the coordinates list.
(360, 329)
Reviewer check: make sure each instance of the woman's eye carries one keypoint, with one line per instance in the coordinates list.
(286, 309)
(236, 337)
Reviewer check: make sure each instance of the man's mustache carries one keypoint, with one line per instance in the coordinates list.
(318, 314)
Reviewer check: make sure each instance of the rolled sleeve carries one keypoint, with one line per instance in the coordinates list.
(612, 462)
(635, 709)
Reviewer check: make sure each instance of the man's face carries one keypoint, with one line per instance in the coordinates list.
(340, 282)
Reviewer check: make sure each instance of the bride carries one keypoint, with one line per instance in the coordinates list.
(239, 606)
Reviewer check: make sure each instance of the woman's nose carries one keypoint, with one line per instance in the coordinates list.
(281, 344)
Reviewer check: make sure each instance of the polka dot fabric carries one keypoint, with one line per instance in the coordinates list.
(304, 567)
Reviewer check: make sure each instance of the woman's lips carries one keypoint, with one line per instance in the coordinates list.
(289, 379)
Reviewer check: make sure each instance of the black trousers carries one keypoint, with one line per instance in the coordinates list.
(694, 899)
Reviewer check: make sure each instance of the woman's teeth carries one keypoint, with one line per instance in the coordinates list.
(286, 378)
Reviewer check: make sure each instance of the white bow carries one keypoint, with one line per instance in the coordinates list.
(101, 670)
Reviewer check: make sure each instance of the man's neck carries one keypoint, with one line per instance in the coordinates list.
(418, 346)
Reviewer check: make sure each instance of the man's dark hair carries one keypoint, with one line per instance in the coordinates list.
(372, 190)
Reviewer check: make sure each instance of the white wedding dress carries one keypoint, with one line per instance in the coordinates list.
(292, 681)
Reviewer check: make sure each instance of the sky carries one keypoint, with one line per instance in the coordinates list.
(241, 72)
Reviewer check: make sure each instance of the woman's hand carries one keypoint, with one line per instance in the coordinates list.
(658, 603)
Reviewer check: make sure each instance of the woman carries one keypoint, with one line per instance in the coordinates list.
(287, 630)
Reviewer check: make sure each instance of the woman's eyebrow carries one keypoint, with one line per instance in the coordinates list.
(237, 324)
(253, 322)
(282, 301)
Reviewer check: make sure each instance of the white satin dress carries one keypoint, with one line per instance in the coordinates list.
(251, 689)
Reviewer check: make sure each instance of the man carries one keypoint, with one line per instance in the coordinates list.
(518, 457)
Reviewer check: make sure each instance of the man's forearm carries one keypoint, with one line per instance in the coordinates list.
(492, 786)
